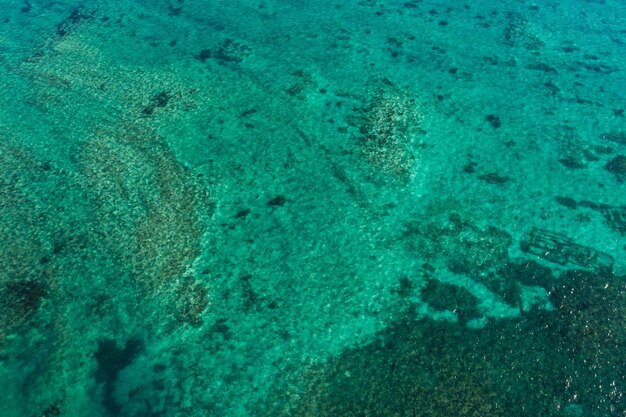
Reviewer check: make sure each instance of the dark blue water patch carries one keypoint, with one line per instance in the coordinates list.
(112, 359)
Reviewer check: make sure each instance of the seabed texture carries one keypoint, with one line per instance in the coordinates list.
(312, 208)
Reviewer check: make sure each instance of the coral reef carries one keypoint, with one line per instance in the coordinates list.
(588, 329)
(416, 368)
(26, 276)
(151, 209)
(545, 363)
(442, 296)
(390, 123)
(192, 299)
(459, 245)
(518, 32)
(101, 218)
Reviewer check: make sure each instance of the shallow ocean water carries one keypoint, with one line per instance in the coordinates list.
(392, 208)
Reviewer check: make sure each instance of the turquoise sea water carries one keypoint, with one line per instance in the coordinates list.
(290, 208)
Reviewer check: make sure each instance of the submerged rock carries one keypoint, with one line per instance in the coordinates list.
(617, 166)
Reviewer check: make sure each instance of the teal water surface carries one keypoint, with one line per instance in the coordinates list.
(290, 208)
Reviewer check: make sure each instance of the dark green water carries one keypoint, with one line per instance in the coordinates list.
(359, 209)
